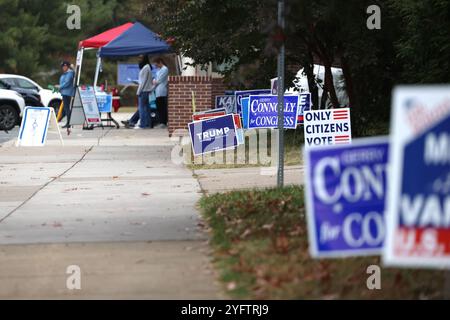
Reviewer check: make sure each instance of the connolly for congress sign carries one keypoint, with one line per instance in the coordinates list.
(263, 112)
(419, 196)
(345, 198)
(327, 127)
(245, 94)
(213, 134)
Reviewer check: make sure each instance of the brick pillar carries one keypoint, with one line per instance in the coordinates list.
(180, 98)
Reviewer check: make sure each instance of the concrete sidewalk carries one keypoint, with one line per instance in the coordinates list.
(110, 201)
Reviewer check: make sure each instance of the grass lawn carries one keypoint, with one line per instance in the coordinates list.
(292, 155)
(260, 247)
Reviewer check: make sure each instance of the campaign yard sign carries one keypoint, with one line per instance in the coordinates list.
(208, 114)
(245, 110)
(213, 134)
(418, 225)
(327, 127)
(345, 197)
(245, 94)
(263, 112)
(227, 102)
(239, 130)
(304, 105)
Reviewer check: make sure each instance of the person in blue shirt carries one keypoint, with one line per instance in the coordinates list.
(67, 89)
(161, 83)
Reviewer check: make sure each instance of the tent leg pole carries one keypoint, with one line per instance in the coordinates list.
(97, 71)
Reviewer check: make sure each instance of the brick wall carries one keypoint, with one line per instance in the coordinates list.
(180, 98)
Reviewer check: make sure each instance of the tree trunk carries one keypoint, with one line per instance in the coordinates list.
(309, 70)
(329, 84)
(349, 83)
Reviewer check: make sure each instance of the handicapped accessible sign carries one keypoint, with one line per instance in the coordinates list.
(345, 197)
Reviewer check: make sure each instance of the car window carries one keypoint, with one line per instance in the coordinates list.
(25, 84)
(9, 81)
(3, 85)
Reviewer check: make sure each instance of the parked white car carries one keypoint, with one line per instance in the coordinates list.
(11, 108)
(48, 97)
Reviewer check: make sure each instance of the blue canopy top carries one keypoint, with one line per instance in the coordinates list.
(135, 41)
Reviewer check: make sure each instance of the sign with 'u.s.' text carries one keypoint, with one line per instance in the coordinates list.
(345, 197)
(419, 197)
(263, 112)
(212, 135)
(327, 127)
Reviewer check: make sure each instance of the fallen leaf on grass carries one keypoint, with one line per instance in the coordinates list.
(246, 233)
(145, 194)
(231, 286)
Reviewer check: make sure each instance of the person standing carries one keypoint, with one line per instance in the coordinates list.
(160, 83)
(143, 92)
(131, 123)
(67, 89)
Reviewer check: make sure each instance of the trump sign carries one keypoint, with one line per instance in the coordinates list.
(214, 134)
(419, 195)
(345, 197)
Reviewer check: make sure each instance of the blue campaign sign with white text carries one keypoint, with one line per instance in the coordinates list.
(263, 111)
(345, 197)
(304, 105)
(245, 94)
(418, 212)
(213, 134)
(227, 102)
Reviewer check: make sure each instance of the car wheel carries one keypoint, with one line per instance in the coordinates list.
(8, 117)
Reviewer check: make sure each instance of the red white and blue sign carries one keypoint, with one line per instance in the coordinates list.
(304, 105)
(345, 197)
(419, 194)
(245, 94)
(327, 127)
(263, 112)
(212, 135)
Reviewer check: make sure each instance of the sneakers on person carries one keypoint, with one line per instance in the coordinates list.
(138, 128)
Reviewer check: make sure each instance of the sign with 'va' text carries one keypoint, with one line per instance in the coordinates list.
(212, 135)
(418, 209)
(345, 197)
(245, 94)
(263, 112)
(327, 127)
(226, 102)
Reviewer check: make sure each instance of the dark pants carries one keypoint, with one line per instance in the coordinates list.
(134, 118)
(66, 108)
(161, 106)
